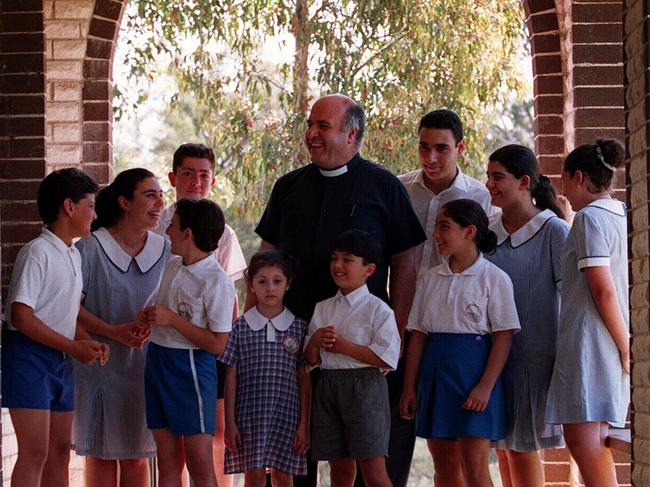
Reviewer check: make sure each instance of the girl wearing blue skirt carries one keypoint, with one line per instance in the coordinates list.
(461, 322)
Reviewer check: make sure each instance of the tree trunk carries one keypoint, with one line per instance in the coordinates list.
(301, 57)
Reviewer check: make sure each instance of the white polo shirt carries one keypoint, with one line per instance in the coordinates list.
(426, 205)
(228, 253)
(363, 319)
(201, 293)
(478, 300)
(47, 278)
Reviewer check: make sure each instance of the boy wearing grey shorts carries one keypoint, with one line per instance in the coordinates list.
(352, 337)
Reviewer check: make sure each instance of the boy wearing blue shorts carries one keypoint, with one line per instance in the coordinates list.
(190, 325)
(352, 337)
(42, 334)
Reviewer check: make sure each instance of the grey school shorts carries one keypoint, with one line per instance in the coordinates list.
(350, 415)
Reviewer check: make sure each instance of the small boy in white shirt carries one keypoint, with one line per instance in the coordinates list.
(191, 323)
(42, 307)
(352, 337)
(192, 176)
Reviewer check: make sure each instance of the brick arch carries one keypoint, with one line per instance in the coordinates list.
(577, 55)
(97, 93)
(548, 86)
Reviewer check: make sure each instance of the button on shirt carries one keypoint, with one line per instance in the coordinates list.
(361, 318)
(47, 278)
(201, 293)
(478, 300)
(228, 253)
(426, 205)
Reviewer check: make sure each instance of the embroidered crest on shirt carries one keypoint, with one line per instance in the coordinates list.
(185, 311)
(473, 311)
(291, 344)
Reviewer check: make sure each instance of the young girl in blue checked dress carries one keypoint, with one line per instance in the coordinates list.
(268, 391)
(461, 322)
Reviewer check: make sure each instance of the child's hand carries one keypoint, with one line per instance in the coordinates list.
(478, 398)
(324, 337)
(88, 351)
(339, 345)
(106, 352)
(159, 315)
(231, 437)
(408, 403)
(130, 334)
(301, 440)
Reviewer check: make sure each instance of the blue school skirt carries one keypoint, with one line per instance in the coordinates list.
(452, 364)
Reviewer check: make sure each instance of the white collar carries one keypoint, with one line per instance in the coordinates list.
(54, 239)
(205, 263)
(472, 270)
(610, 204)
(459, 182)
(523, 234)
(353, 296)
(146, 259)
(332, 173)
(256, 321)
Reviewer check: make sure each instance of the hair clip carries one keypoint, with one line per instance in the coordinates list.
(601, 158)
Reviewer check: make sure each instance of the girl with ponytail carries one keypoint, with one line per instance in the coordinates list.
(530, 238)
(590, 385)
(122, 263)
(461, 322)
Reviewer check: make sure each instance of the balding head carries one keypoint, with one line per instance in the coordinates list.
(336, 125)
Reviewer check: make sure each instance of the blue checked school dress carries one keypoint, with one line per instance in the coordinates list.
(267, 410)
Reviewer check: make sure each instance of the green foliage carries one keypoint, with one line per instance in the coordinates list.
(398, 58)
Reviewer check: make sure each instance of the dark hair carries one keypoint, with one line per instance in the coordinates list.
(359, 243)
(443, 119)
(467, 212)
(520, 161)
(59, 185)
(593, 159)
(107, 205)
(271, 258)
(204, 218)
(199, 151)
(354, 117)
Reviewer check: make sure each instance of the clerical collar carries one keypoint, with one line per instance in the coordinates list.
(332, 173)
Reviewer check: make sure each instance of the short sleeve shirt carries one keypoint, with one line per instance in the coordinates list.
(479, 300)
(200, 293)
(308, 210)
(363, 319)
(47, 278)
(228, 253)
(426, 205)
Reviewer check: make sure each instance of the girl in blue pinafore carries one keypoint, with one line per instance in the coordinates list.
(590, 385)
(530, 238)
(462, 320)
(122, 264)
(268, 391)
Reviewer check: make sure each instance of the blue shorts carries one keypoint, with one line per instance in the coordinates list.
(180, 388)
(452, 364)
(35, 376)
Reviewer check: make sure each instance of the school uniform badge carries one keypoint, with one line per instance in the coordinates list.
(474, 312)
(185, 311)
(291, 344)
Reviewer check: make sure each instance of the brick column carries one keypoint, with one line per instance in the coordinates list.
(637, 114)
(22, 126)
